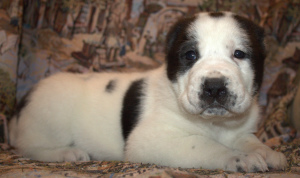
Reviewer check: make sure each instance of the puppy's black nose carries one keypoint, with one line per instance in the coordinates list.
(214, 89)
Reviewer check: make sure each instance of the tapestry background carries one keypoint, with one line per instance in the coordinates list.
(41, 37)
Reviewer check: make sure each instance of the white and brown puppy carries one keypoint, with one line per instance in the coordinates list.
(197, 110)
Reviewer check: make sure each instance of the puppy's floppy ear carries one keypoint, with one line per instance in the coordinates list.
(251, 28)
(256, 35)
(171, 36)
(177, 35)
(176, 32)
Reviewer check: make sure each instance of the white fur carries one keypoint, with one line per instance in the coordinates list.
(172, 130)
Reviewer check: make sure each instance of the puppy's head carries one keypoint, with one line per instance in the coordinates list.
(215, 62)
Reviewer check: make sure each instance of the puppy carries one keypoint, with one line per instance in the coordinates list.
(198, 110)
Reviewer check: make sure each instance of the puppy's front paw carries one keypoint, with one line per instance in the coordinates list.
(252, 162)
(274, 159)
(74, 154)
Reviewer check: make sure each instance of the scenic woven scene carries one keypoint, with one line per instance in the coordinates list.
(42, 37)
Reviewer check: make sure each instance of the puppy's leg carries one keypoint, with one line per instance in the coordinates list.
(45, 142)
(250, 144)
(49, 147)
(56, 154)
(165, 145)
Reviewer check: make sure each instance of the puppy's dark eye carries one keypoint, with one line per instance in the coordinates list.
(191, 55)
(239, 54)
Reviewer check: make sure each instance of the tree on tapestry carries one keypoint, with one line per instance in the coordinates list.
(66, 16)
(109, 34)
(7, 94)
(10, 15)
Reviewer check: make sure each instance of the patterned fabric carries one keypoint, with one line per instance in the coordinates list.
(41, 37)
(12, 165)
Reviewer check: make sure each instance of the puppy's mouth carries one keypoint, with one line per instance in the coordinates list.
(216, 109)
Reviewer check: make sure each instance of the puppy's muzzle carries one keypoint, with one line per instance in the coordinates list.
(214, 92)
